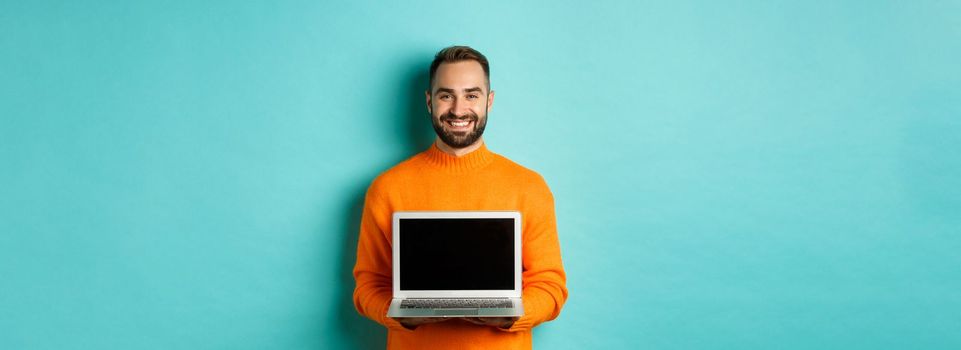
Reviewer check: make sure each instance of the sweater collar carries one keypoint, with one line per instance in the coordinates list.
(474, 160)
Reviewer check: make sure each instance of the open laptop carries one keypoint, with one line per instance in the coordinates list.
(457, 264)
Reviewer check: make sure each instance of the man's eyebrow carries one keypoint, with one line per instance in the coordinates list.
(451, 91)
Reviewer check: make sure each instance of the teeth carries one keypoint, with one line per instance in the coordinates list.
(459, 123)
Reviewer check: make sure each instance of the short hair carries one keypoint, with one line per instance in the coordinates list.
(454, 54)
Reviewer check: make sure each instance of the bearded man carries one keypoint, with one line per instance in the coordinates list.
(458, 172)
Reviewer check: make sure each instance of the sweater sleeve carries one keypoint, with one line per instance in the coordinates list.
(372, 271)
(544, 280)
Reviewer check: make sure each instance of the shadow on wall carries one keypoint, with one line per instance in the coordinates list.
(361, 332)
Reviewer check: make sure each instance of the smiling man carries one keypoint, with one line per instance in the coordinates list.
(458, 172)
(459, 97)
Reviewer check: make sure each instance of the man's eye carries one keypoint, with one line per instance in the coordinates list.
(472, 96)
(445, 97)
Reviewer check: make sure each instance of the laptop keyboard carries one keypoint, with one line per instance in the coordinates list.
(455, 303)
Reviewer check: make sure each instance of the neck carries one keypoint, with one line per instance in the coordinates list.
(457, 152)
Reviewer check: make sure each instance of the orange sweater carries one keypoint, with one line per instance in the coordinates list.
(480, 180)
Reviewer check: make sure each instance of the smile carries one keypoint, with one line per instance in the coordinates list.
(459, 125)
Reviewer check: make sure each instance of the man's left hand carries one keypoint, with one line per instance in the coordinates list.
(499, 322)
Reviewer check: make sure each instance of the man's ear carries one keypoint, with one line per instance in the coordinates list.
(427, 95)
(490, 100)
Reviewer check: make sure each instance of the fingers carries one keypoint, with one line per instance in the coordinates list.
(416, 321)
(431, 320)
(491, 321)
(475, 320)
(502, 322)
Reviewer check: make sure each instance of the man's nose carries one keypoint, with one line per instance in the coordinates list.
(460, 107)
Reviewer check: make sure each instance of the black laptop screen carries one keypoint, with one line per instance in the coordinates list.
(457, 254)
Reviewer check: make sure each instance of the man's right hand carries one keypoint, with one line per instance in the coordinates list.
(412, 322)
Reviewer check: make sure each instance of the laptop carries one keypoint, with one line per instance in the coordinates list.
(456, 264)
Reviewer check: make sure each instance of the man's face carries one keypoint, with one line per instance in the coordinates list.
(458, 102)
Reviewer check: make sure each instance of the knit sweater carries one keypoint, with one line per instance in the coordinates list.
(480, 180)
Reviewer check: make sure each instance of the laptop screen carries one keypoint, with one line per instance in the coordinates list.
(457, 254)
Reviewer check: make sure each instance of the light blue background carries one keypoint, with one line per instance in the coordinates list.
(736, 175)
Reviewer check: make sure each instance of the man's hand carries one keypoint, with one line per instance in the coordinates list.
(412, 322)
(499, 322)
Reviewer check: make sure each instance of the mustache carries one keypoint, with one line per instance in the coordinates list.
(449, 116)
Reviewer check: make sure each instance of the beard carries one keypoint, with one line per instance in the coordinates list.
(459, 139)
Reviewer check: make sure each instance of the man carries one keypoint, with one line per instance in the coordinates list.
(458, 172)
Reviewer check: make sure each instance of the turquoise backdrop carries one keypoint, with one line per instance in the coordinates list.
(728, 175)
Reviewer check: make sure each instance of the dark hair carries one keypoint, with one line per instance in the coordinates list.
(455, 54)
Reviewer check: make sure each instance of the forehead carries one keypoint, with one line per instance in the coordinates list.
(460, 75)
